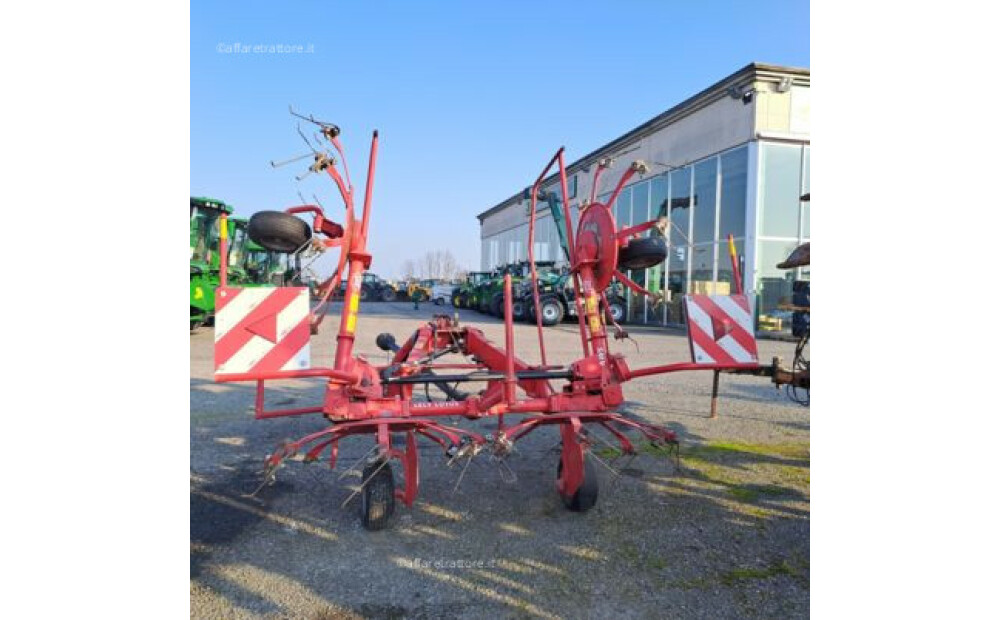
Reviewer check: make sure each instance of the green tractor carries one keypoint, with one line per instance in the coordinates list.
(205, 215)
(556, 297)
(491, 300)
(264, 267)
(462, 294)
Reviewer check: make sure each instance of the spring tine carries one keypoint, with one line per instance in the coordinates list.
(363, 483)
(461, 475)
(355, 464)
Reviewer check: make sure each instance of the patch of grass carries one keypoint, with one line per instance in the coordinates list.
(737, 575)
(729, 448)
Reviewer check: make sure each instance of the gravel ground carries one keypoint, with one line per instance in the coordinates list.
(725, 537)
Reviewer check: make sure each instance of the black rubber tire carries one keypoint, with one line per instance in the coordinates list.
(552, 311)
(364, 293)
(439, 301)
(642, 253)
(586, 496)
(278, 231)
(619, 306)
(378, 498)
(518, 310)
(388, 294)
(496, 305)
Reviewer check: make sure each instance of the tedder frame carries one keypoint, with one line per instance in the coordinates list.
(362, 398)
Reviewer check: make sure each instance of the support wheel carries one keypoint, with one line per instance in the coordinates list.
(642, 252)
(378, 499)
(278, 231)
(586, 496)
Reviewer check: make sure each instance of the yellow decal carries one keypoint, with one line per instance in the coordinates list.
(223, 229)
(732, 247)
(351, 320)
(353, 306)
(591, 303)
(595, 325)
(197, 293)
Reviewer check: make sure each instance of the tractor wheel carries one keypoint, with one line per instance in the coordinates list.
(378, 499)
(496, 305)
(388, 294)
(456, 300)
(278, 231)
(552, 312)
(364, 294)
(586, 496)
(642, 253)
(439, 301)
(616, 308)
(518, 310)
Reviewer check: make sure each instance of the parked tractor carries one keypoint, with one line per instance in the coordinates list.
(464, 294)
(492, 295)
(557, 300)
(205, 234)
(375, 288)
(264, 267)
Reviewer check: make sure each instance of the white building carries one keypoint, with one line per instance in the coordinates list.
(733, 158)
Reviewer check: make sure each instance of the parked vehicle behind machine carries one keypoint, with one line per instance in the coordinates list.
(205, 234)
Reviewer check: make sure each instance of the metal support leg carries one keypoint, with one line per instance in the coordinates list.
(715, 394)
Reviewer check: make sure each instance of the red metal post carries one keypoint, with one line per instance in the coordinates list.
(510, 385)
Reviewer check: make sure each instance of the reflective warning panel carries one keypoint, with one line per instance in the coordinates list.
(720, 329)
(261, 330)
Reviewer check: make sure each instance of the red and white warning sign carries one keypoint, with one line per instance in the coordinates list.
(720, 329)
(261, 330)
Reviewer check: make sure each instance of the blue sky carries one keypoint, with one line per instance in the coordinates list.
(470, 98)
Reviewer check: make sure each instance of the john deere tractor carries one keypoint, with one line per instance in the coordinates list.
(462, 294)
(205, 214)
(264, 267)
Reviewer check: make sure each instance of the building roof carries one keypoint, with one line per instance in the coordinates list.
(739, 79)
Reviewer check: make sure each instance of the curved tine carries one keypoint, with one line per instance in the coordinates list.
(522, 429)
(438, 440)
(314, 452)
(627, 446)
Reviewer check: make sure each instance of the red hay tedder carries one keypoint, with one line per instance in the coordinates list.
(263, 334)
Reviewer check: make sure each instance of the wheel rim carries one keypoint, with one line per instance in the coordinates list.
(617, 312)
(549, 312)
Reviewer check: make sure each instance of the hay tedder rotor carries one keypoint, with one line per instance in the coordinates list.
(263, 334)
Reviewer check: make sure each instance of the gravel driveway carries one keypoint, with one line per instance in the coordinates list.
(725, 537)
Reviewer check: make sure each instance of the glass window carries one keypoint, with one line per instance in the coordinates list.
(774, 285)
(732, 203)
(680, 206)
(702, 263)
(640, 203)
(805, 190)
(704, 201)
(623, 208)
(658, 196)
(680, 251)
(781, 190)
